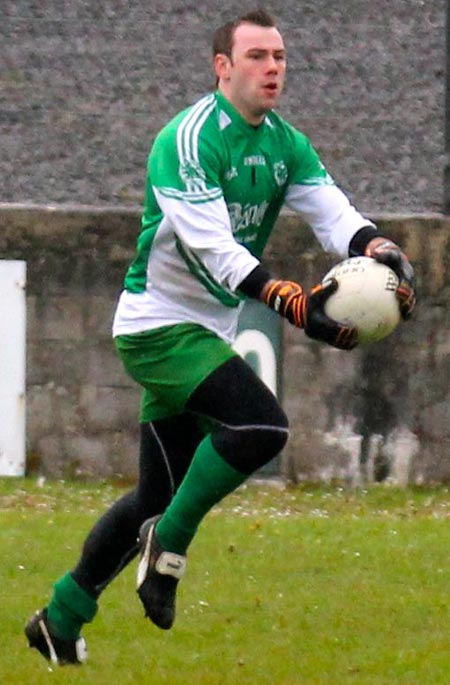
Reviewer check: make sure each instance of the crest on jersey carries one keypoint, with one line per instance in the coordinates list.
(280, 172)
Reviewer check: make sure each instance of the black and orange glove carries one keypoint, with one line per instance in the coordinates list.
(387, 252)
(306, 310)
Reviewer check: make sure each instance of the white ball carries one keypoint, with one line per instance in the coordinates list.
(365, 298)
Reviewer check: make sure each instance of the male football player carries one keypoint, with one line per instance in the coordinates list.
(218, 176)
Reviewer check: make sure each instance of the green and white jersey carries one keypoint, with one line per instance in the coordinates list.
(215, 187)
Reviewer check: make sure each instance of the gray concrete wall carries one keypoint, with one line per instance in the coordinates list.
(389, 403)
(85, 86)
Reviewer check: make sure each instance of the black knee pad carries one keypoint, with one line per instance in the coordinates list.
(248, 448)
(250, 426)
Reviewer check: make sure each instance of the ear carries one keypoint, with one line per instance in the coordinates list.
(222, 65)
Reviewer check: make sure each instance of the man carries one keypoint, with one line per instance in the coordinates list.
(218, 175)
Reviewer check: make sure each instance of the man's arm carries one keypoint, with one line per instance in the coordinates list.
(184, 180)
(205, 238)
(304, 309)
(338, 226)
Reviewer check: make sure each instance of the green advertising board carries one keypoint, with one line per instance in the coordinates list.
(259, 342)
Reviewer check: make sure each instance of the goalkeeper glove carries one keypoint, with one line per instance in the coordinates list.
(387, 252)
(306, 310)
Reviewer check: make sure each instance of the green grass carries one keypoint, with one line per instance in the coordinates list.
(307, 586)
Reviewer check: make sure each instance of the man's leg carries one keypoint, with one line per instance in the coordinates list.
(166, 450)
(251, 429)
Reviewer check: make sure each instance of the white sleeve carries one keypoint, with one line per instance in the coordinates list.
(204, 231)
(329, 213)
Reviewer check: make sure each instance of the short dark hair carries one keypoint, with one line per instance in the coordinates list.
(223, 37)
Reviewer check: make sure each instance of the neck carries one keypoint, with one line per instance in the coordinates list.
(252, 118)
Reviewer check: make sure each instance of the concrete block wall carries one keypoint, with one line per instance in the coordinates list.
(387, 405)
(81, 407)
(86, 86)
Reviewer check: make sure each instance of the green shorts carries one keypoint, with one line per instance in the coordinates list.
(170, 362)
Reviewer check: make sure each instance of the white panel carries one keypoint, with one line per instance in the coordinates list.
(255, 342)
(12, 367)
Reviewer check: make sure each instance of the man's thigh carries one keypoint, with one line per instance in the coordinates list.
(170, 363)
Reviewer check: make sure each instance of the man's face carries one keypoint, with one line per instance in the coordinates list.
(252, 80)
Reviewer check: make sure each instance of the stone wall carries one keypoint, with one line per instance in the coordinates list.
(388, 404)
(85, 86)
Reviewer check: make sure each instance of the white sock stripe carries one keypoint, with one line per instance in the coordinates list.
(164, 454)
(121, 565)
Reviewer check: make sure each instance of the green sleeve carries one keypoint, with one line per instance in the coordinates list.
(307, 167)
(185, 169)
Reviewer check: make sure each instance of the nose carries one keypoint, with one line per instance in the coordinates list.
(272, 65)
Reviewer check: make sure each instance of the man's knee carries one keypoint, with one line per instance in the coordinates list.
(249, 447)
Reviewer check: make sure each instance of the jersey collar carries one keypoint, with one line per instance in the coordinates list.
(236, 118)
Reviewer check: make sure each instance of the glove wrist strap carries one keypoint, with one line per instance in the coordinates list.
(287, 299)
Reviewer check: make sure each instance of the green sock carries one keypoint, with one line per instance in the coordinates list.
(208, 480)
(69, 608)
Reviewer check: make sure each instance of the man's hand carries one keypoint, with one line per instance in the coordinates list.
(306, 310)
(387, 252)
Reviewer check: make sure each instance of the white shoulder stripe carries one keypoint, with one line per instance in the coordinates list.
(196, 195)
(188, 122)
(187, 138)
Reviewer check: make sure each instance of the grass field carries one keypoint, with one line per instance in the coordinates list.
(308, 586)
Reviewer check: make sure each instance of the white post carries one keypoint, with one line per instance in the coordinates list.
(12, 367)
(446, 208)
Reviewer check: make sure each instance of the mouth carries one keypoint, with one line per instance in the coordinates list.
(270, 88)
